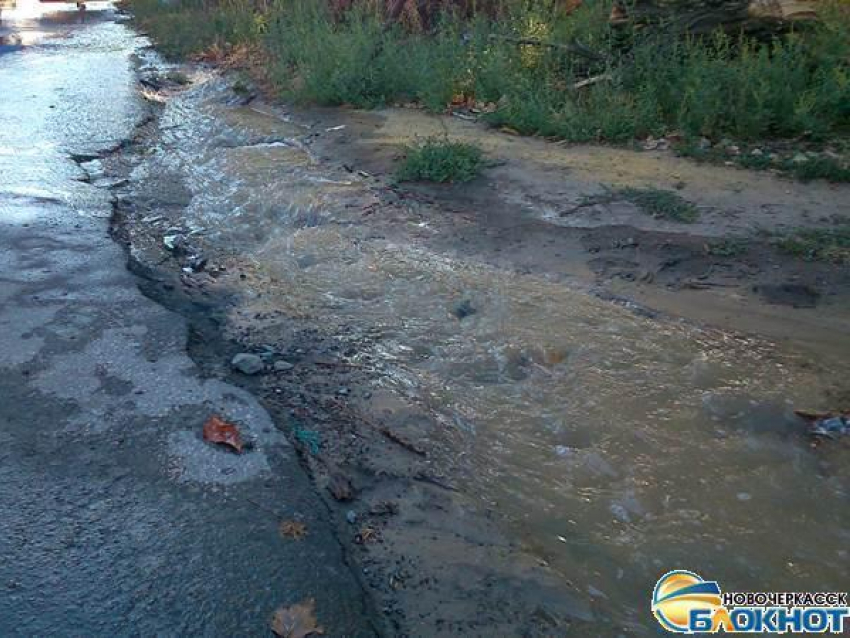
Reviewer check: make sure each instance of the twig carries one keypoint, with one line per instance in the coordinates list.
(605, 77)
(407, 445)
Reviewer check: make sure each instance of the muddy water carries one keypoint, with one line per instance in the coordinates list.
(615, 446)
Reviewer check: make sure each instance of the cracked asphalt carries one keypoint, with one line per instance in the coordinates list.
(116, 518)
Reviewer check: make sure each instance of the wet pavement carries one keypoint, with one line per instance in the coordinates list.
(116, 518)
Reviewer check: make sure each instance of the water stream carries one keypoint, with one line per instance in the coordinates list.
(614, 445)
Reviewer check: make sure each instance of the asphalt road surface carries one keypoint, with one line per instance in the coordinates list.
(116, 518)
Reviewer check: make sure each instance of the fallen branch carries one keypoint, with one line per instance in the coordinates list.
(596, 79)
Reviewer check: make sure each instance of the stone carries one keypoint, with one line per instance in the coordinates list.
(282, 366)
(247, 363)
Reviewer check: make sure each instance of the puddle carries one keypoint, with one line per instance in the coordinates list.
(615, 447)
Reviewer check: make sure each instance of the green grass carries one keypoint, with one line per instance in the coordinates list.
(831, 245)
(794, 86)
(183, 27)
(826, 168)
(442, 160)
(727, 248)
(831, 169)
(659, 203)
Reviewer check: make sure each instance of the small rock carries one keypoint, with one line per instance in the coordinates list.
(799, 158)
(247, 363)
(704, 144)
(196, 262)
(756, 152)
(351, 517)
(282, 366)
(174, 242)
(733, 150)
(343, 391)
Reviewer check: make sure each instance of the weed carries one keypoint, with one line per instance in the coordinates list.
(754, 162)
(438, 159)
(727, 248)
(721, 85)
(661, 204)
(831, 244)
(822, 167)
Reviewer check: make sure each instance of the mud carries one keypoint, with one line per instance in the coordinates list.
(496, 394)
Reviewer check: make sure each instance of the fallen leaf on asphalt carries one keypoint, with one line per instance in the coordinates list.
(217, 430)
(298, 621)
(295, 530)
(367, 535)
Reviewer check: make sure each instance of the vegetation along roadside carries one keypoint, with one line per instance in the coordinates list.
(556, 69)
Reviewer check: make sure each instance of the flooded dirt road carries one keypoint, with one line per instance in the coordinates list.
(116, 518)
(516, 446)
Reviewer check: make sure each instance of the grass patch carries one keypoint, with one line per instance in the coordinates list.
(791, 86)
(832, 244)
(827, 168)
(815, 166)
(727, 248)
(438, 159)
(659, 203)
(181, 28)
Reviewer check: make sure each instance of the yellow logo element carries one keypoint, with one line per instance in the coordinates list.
(680, 592)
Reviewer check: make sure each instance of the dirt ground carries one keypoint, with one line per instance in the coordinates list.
(436, 560)
(528, 213)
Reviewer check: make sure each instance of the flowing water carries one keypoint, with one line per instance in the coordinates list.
(616, 446)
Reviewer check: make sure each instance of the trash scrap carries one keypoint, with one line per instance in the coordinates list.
(826, 425)
(297, 621)
(310, 439)
(217, 430)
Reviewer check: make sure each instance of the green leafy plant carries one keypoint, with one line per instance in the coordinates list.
(727, 248)
(826, 168)
(439, 159)
(646, 82)
(830, 244)
(659, 203)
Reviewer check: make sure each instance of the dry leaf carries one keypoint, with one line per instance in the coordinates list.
(217, 430)
(366, 535)
(298, 621)
(293, 529)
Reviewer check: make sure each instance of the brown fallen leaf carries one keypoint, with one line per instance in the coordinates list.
(297, 621)
(217, 430)
(295, 530)
(366, 535)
